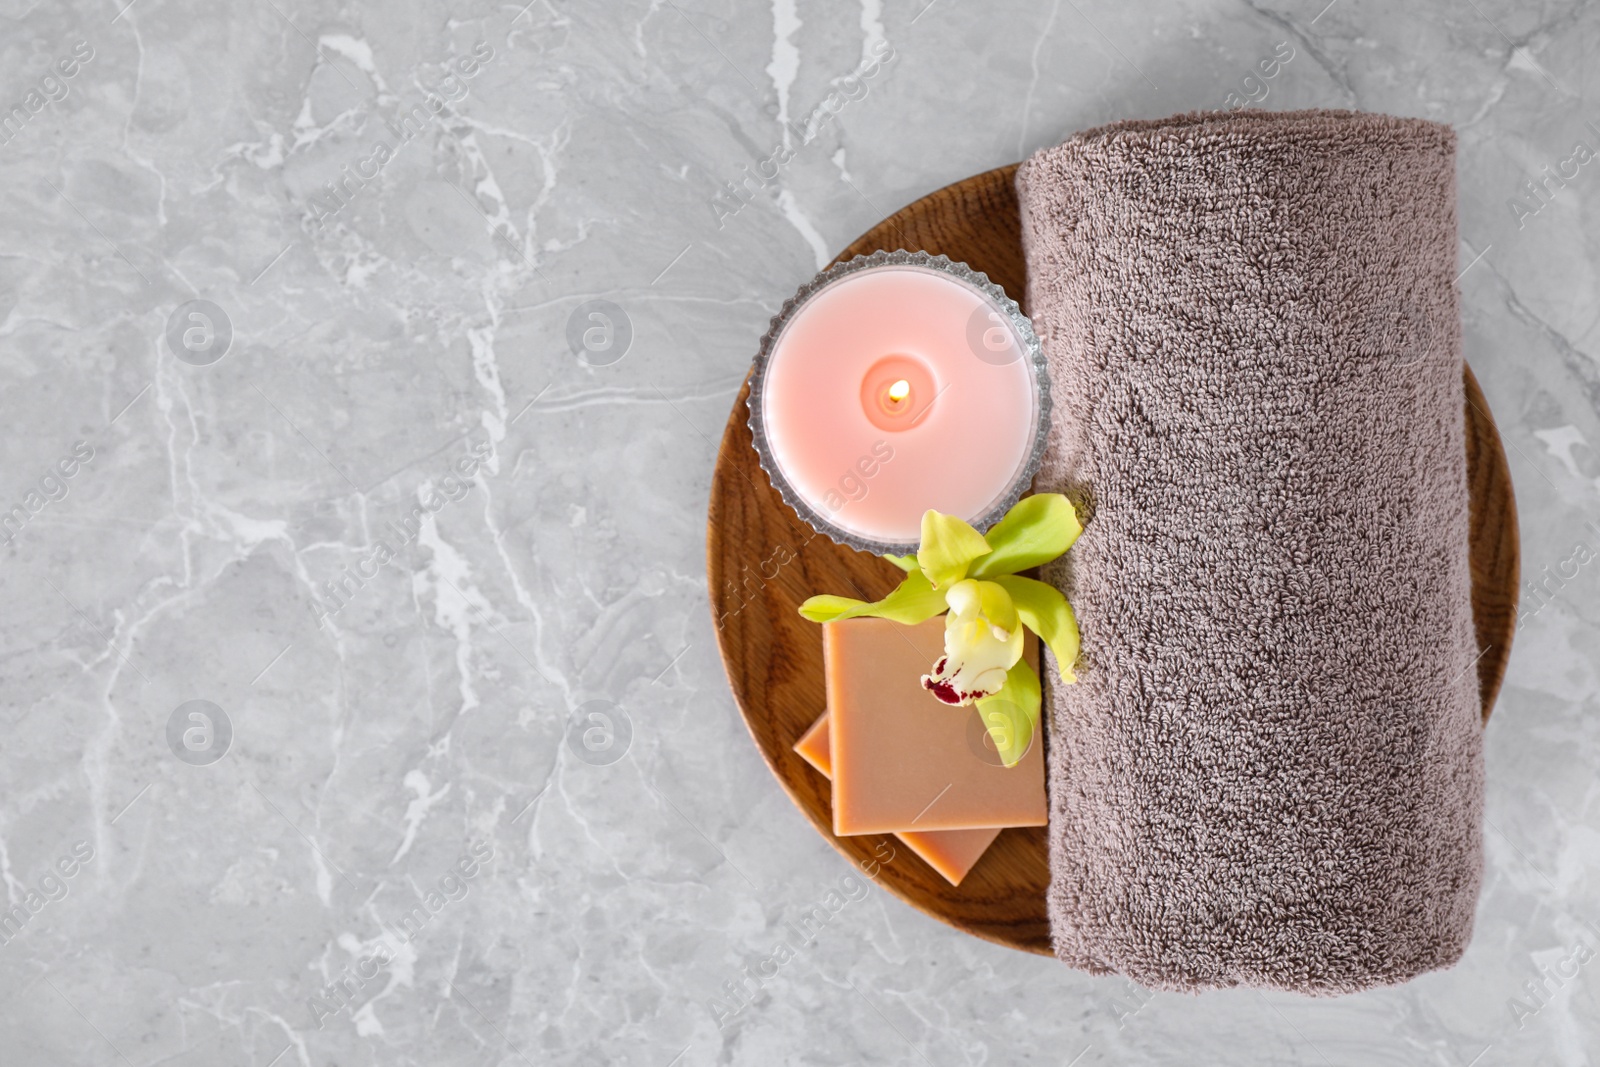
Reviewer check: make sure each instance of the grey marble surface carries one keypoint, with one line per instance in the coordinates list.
(405, 545)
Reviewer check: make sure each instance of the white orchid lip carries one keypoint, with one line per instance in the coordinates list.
(978, 651)
(945, 683)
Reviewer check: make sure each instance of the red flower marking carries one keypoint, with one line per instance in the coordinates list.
(943, 690)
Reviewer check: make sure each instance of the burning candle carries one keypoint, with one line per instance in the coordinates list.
(896, 383)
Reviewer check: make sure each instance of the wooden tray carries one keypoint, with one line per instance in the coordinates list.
(763, 561)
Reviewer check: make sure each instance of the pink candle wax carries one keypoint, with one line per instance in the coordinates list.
(898, 389)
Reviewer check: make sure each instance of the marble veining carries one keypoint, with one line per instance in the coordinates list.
(364, 367)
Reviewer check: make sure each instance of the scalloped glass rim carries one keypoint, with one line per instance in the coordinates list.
(1019, 322)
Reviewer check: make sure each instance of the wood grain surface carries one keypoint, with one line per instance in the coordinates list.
(763, 561)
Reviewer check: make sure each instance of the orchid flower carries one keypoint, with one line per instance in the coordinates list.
(973, 577)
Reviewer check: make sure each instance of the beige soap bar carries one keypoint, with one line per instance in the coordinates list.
(950, 852)
(901, 759)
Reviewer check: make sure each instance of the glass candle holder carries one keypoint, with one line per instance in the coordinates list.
(895, 383)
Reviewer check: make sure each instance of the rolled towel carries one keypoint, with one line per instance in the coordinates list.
(1270, 771)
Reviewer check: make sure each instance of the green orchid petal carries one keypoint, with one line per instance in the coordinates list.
(1012, 714)
(913, 601)
(1046, 612)
(905, 563)
(1035, 531)
(949, 545)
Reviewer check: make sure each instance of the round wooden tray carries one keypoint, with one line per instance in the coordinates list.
(763, 561)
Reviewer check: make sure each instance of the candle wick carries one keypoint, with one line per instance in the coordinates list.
(899, 390)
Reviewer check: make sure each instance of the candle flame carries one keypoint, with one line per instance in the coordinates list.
(899, 390)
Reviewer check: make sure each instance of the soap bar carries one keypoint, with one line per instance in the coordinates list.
(901, 759)
(950, 852)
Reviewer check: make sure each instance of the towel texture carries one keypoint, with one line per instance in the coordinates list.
(1270, 772)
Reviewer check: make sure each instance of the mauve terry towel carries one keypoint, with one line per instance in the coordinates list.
(1270, 772)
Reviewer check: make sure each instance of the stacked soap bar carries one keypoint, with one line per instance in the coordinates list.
(906, 764)
(950, 852)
